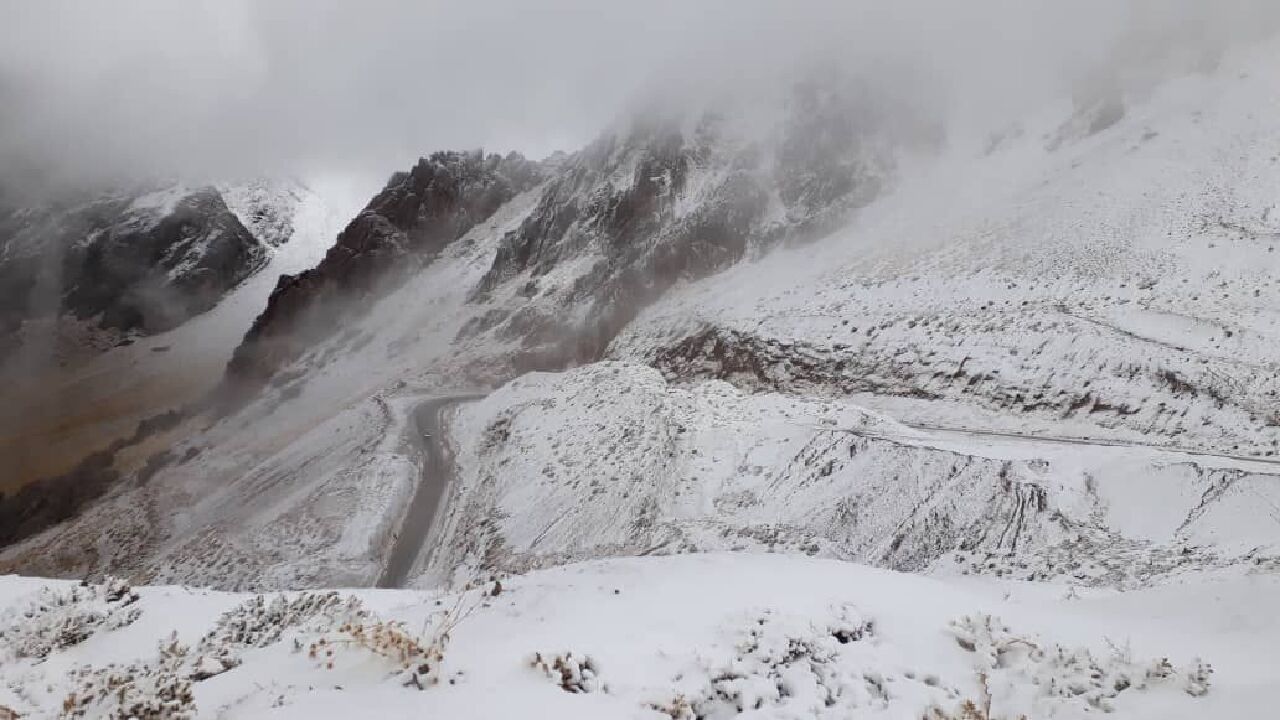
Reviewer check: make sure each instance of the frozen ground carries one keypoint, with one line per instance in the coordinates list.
(711, 636)
(1041, 379)
(610, 459)
(1121, 286)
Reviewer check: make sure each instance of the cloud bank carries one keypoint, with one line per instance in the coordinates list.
(230, 87)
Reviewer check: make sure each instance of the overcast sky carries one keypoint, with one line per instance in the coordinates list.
(248, 86)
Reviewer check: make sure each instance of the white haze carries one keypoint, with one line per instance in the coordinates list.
(92, 89)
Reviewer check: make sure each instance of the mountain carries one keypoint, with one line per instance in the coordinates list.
(415, 216)
(803, 403)
(957, 314)
(122, 263)
(678, 198)
(665, 197)
(836, 351)
(70, 404)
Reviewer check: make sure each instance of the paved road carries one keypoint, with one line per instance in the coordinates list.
(437, 473)
(425, 432)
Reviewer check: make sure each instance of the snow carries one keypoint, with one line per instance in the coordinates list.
(610, 459)
(308, 482)
(720, 635)
(189, 359)
(1133, 271)
(1062, 296)
(161, 202)
(1016, 421)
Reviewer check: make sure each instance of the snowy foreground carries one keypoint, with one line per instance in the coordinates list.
(714, 636)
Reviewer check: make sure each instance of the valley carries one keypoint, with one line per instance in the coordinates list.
(811, 400)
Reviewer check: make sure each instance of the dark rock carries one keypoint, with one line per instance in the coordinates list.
(659, 205)
(124, 263)
(663, 200)
(151, 274)
(403, 228)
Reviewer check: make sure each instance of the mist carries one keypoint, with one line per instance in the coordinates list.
(221, 88)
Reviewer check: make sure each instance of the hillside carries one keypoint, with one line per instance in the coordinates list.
(77, 402)
(1030, 375)
(695, 636)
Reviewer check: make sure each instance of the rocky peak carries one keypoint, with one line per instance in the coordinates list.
(154, 268)
(673, 198)
(266, 207)
(668, 196)
(122, 262)
(405, 226)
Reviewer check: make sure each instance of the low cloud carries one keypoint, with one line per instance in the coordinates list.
(230, 87)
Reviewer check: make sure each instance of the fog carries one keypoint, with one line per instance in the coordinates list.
(92, 89)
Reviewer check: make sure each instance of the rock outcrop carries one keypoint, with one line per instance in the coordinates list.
(122, 263)
(667, 200)
(403, 228)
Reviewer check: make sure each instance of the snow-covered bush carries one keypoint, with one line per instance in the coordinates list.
(787, 664)
(60, 616)
(1197, 679)
(161, 688)
(1037, 677)
(968, 710)
(580, 674)
(259, 623)
(677, 708)
(416, 658)
(156, 690)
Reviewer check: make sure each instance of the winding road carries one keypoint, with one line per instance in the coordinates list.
(1030, 438)
(1068, 440)
(425, 433)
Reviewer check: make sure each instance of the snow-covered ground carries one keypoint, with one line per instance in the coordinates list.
(610, 459)
(1041, 379)
(694, 636)
(302, 487)
(1118, 289)
(1120, 286)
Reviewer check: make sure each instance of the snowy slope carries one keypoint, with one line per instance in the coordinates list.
(1080, 337)
(611, 460)
(876, 380)
(712, 636)
(61, 413)
(299, 488)
(1121, 286)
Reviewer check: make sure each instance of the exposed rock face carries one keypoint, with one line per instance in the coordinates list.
(266, 207)
(660, 203)
(154, 276)
(123, 262)
(1096, 382)
(664, 199)
(404, 227)
(623, 205)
